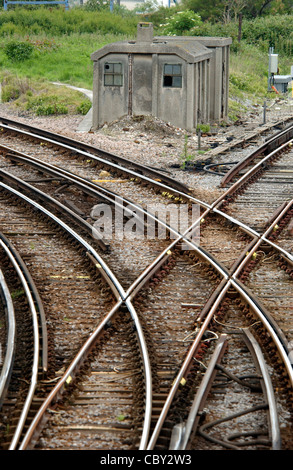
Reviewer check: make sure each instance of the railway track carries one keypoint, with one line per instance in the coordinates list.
(209, 289)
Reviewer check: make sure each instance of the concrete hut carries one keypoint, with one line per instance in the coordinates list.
(181, 80)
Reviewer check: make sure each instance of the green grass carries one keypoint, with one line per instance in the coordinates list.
(69, 62)
(64, 41)
(65, 59)
(62, 45)
(41, 97)
(248, 84)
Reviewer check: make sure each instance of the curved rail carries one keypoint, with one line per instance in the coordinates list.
(36, 297)
(268, 389)
(116, 162)
(118, 292)
(276, 335)
(97, 190)
(35, 362)
(269, 146)
(11, 339)
(230, 282)
(183, 432)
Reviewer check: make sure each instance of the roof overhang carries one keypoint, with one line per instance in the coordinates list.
(191, 51)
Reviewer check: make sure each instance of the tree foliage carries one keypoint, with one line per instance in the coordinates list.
(226, 10)
(181, 22)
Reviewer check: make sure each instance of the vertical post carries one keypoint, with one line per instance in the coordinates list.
(5, 5)
(130, 77)
(240, 27)
(271, 51)
(199, 138)
(111, 5)
(264, 111)
(291, 81)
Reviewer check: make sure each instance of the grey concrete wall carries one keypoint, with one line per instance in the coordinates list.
(172, 102)
(219, 83)
(110, 102)
(142, 84)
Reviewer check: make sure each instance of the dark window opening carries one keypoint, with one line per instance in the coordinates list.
(113, 74)
(172, 76)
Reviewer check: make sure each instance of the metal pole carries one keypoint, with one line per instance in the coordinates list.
(264, 111)
(199, 138)
(271, 51)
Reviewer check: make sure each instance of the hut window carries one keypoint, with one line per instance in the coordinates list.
(113, 75)
(172, 76)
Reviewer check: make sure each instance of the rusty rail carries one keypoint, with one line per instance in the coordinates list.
(118, 291)
(267, 148)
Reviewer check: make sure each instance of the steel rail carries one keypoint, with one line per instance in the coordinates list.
(182, 436)
(180, 238)
(36, 355)
(112, 281)
(269, 145)
(129, 295)
(278, 339)
(128, 298)
(97, 190)
(267, 325)
(85, 185)
(7, 364)
(71, 372)
(106, 158)
(56, 393)
(37, 300)
(111, 197)
(147, 275)
(180, 193)
(188, 428)
(213, 206)
(263, 238)
(267, 386)
(49, 200)
(185, 366)
(253, 170)
(105, 192)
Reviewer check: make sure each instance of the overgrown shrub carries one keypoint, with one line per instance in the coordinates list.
(46, 105)
(185, 21)
(18, 51)
(271, 31)
(50, 109)
(9, 29)
(13, 87)
(57, 22)
(10, 93)
(263, 32)
(84, 107)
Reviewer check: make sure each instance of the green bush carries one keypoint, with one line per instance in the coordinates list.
(18, 51)
(271, 31)
(182, 22)
(50, 109)
(57, 22)
(9, 29)
(263, 32)
(46, 105)
(84, 107)
(10, 93)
